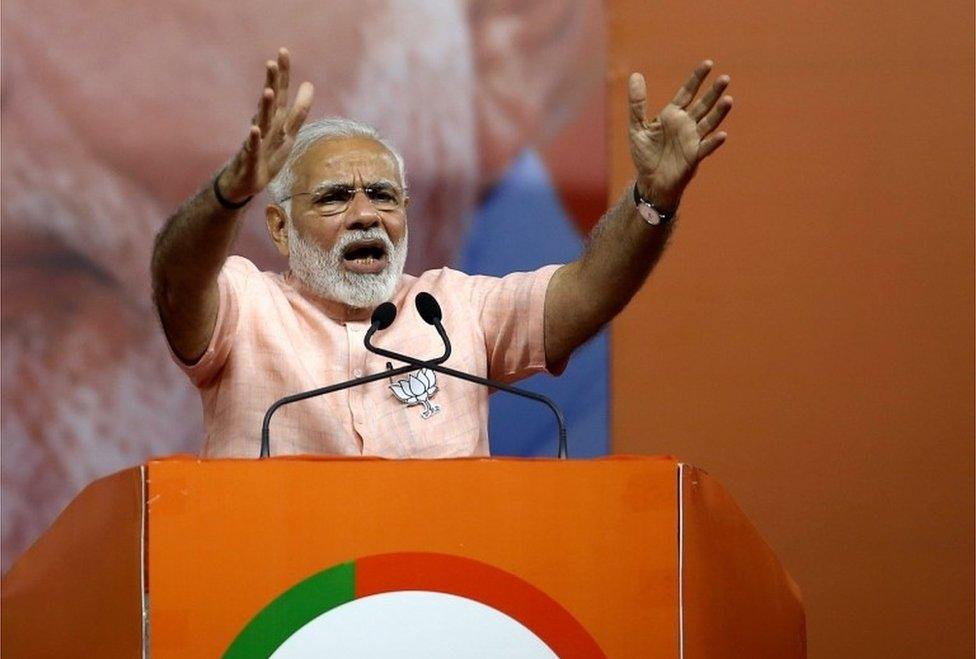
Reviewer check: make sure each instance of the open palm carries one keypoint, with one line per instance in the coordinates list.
(272, 133)
(667, 150)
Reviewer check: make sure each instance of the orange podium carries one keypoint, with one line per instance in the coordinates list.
(290, 557)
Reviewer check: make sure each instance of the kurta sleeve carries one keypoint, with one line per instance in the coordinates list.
(232, 288)
(512, 317)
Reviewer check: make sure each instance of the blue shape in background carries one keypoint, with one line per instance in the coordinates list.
(523, 226)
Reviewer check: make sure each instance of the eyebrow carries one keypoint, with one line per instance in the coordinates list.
(328, 185)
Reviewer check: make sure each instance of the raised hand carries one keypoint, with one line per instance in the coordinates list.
(273, 131)
(667, 150)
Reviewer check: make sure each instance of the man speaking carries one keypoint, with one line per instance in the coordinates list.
(338, 212)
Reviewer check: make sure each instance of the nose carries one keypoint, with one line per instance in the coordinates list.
(361, 213)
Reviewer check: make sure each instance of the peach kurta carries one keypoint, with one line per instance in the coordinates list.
(274, 337)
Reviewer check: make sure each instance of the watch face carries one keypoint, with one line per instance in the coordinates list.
(649, 214)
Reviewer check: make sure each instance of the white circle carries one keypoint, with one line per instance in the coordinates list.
(413, 624)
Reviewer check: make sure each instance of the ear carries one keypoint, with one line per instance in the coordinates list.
(277, 227)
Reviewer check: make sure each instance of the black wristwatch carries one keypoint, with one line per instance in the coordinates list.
(653, 216)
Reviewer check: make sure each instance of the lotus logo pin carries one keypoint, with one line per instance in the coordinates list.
(417, 389)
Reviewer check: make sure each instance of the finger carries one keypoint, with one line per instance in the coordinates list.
(705, 103)
(251, 146)
(715, 117)
(637, 90)
(271, 75)
(708, 147)
(284, 72)
(690, 88)
(252, 153)
(263, 119)
(299, 111)
(245, 162)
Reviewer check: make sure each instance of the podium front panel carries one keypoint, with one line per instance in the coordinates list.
(570, 549)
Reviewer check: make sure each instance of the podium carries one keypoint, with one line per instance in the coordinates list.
(289, 557)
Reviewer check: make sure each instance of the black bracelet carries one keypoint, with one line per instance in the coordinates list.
(227, 203)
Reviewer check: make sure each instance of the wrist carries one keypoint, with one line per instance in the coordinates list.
(664, 201)
(226, 196)
(655, 214)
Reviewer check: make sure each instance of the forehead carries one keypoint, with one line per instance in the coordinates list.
(348, 159)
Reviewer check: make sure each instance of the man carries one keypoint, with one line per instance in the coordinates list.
(339, 207)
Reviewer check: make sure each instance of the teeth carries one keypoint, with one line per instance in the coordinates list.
(366, 260)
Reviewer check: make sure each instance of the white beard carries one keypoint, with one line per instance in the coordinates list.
(324, 273)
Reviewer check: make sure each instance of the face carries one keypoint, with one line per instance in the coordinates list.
(346, 237)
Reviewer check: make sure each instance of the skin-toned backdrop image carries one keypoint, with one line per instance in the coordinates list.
(114, 113)
(808, 336)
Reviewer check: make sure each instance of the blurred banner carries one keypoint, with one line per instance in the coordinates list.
(114, 113)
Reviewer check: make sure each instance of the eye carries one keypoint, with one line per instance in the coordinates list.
(382, 195)
(332, 196)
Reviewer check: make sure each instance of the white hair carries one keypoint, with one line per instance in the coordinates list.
(328, 128)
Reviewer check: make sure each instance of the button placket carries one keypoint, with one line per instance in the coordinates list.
(357, 365)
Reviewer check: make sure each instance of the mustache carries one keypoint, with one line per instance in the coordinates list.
(374, 233)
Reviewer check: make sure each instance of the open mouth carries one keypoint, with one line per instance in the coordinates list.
(367, 256)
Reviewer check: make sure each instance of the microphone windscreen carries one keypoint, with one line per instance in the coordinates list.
(384, 315)
(428, 308)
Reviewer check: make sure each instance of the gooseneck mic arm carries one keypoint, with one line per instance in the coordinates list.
(294, 398)
(431, 313)
(380, 320)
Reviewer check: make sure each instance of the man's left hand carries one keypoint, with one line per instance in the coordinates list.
(667, 150)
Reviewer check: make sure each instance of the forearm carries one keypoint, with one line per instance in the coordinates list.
(588, 293)
(192, 247)
(622, 250)
(187, 257)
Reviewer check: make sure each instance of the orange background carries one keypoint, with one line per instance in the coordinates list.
(808, 338)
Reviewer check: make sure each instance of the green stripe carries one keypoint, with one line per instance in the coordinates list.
(292, 610)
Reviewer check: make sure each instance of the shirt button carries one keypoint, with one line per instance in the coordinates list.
(357, 373)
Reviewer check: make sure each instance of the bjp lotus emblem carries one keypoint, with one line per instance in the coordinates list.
(417, 389)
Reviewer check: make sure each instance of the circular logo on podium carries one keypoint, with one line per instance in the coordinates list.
(413, 605)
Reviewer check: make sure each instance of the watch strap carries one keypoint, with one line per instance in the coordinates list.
(664, 216)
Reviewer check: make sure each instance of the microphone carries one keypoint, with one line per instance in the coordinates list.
(430, 312)
(385, 313)
(382, 318)
(428, 308)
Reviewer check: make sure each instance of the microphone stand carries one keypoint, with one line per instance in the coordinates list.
(294, 398)
(435, 366)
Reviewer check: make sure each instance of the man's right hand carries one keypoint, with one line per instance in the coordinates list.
(273, 131)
